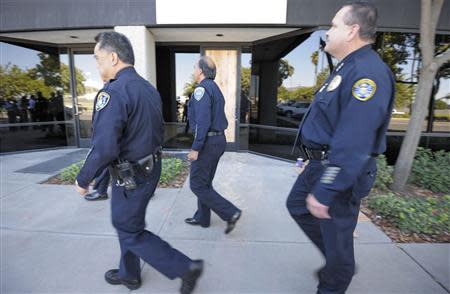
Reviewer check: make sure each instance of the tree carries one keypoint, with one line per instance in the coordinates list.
(315, 57)
(285, 70)
(15, 82)
(190, 87)
(65, 79)
(245, 81)
(48, 69)
(430, 11)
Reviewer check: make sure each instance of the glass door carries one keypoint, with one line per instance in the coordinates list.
(86, 84)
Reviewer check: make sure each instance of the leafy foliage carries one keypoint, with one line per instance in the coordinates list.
(431, 170)
(416, 215)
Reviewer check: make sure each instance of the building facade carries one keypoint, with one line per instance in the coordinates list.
(268, 55)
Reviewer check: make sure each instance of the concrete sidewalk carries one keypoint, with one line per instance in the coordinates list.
(53, 241)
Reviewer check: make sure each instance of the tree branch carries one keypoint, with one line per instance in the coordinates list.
(441, 59)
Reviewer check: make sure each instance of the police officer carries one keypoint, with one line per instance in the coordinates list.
(208, 122)
(100, 187)
(341, 134)
(127, 135)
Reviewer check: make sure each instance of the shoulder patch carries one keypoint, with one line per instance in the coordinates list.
(335, 82)
(198, 93)
(364, 89)
(102, 100)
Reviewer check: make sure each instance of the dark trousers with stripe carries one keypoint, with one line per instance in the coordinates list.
(128, 217)
(333, 237)
(201, 177)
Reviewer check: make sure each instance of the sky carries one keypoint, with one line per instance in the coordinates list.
(299, 58)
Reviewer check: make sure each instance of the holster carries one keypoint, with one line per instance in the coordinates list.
(124, 172)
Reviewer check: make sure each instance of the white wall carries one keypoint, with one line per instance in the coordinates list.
(143, 43)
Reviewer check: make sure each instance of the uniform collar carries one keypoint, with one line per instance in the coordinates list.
(352, 55)
(125, 71)
(204, 81)
(356, 53)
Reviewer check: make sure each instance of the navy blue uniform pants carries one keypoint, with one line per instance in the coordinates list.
(201, 177)
(128, 209)
(102, 182)
(333, 237)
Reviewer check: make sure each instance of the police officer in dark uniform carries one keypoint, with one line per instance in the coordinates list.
(341, 135)
(127, 137)
(208, 122)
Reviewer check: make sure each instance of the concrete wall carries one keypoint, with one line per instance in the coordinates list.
(143, 44)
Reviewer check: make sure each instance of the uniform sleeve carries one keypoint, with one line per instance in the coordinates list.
(202, 113)
(191, 113)
(108, 124)
(362, 115)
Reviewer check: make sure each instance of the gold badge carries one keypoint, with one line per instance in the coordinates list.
(335, 82)
(364, 89)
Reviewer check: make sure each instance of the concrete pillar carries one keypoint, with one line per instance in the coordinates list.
(227, 75)
(143, 43)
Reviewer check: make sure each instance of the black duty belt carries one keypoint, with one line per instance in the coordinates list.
(213, 133)
(313, 154)
(124, 171)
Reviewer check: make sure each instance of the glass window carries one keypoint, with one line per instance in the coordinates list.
(298, 75)
(33, 112)
(87, 84)
(247, 88)
(176, 84)
(441, 119)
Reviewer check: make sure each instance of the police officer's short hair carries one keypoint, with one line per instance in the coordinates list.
(365, 15)
(116, 42)
(208, 67)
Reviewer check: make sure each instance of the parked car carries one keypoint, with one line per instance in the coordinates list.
(295, 110)
(394, 111)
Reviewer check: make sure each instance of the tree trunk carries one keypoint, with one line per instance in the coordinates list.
(405, 159)
(430, 11)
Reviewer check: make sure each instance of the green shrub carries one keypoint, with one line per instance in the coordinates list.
(414, 215)
(384, 173)
(171, 168)
(431, 170)
(69, 174)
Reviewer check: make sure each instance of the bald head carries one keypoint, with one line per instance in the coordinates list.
(208, 67)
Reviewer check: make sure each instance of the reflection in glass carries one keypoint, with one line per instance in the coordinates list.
(88, 83)
(32, 89)
(178, 134)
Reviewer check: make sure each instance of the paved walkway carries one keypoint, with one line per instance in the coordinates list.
(53, 241)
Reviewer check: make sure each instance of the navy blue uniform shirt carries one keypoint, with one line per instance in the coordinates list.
(127, 124)
(206, 112)
(349, 116)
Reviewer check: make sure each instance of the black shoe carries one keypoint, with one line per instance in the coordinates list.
(232, 222)
(112, 277)
(189, 279)
(318, 273)
(194, 222)
(96, 196)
